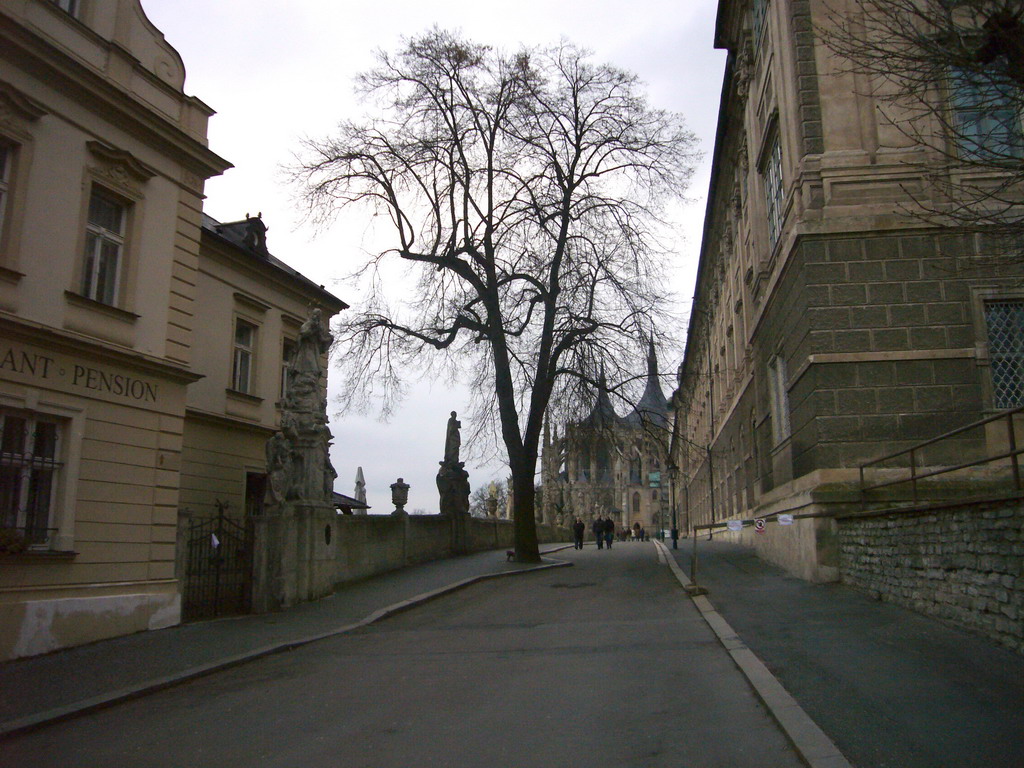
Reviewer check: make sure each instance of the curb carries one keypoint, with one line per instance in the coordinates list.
(811, 743)
(85, 706)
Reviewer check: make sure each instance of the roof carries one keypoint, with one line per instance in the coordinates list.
(341, 500)
(653, 405)
(603, 414)
(249, 236)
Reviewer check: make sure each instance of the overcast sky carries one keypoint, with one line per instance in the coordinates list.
(275, 72)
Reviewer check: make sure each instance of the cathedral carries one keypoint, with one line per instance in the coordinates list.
(609, 465)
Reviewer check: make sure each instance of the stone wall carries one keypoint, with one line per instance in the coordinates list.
(373, 544)
(963, 564)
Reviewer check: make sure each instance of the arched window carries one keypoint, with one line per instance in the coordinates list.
(635, 474)
(636, 503)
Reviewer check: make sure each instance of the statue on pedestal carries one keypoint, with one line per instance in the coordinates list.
(298, 464)
(452, 478)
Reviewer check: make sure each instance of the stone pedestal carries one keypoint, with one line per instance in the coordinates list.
(295, 558)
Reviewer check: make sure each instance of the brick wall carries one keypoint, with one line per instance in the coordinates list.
(963, 564)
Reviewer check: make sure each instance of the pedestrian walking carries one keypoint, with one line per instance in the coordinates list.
(609, 531)
(578, 529)
(598, 529)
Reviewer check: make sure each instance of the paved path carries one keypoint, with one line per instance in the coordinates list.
(892, 688)
(604, 664)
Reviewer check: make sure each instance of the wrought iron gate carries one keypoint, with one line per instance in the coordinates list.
(218, 577)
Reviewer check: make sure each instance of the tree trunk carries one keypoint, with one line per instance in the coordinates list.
(524, 517)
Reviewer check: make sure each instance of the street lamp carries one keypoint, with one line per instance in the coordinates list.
(673, 476)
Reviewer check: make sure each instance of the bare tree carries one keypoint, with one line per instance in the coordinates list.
(949, 75)
(526, 191)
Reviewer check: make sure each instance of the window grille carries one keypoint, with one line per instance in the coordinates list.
(773, 190)
(758, 11)
(29, 466)
(985, 116)
(1005, 322)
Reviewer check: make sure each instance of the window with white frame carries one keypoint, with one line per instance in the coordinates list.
(30, 450)
(779, 394)
(104, 247)
(771, 174)
(1004, 322)
(287, 352)
(243, 360)
(986, 116)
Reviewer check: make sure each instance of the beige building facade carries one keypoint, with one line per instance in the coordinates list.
(828, 327)
(120, 398)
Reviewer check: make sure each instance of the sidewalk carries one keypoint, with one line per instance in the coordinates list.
(890, 687)
(45, 688)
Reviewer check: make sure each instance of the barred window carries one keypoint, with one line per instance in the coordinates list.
(986, 117)
(773, 194)
(1004, 320)
(29, 467)
(758, 11)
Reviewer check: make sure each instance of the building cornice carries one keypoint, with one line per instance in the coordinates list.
(92, 89)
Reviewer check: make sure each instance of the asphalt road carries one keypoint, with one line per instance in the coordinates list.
(603, 664)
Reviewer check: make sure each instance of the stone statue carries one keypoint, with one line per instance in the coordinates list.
(452, 440)
(452, 478)
(278, 459)
(297, 457)
(314, 340)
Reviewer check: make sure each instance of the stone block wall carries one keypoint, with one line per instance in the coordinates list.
(963, 564)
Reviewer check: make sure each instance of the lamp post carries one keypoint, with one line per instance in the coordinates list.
(673, 476)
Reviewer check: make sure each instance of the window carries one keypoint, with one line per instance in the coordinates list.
(635, 474)
(104, 248)
(244, 353)
(777, 391)
(985, 117)
(68, 6)
(29, 466)
(6, 160)
(1004, 320)
(758, 11)
(287, 352)
(773, 195)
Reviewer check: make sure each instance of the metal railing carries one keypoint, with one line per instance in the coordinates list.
(915, 451)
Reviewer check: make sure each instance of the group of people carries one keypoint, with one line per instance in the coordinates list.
(605, 532)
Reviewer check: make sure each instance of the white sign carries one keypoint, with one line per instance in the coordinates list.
(734, 525)
(785, 519)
